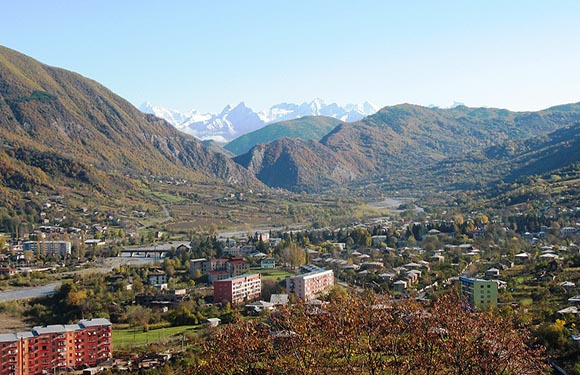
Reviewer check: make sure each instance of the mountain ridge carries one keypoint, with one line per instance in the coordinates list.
(306, 128)
(235, 121)
(402, 143)
(52, 120)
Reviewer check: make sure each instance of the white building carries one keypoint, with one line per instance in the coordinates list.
(307, 285)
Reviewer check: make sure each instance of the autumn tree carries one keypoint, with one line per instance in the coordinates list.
(371, 334)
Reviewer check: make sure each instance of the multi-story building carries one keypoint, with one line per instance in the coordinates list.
(48, 247)
(97, 335)
(157, 278)
(50, 348)
(10, 348)
(307, 285)
(480, 294)
(238, 289)
(237, 267)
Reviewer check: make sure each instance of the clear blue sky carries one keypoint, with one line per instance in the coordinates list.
(520, 55)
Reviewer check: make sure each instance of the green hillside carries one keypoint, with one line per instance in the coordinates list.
(308, 128)
(409, 145)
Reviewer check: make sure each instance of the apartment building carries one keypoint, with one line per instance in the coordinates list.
(307, 285)
(48, 247)
(480, 293)
(238, 289)
(55, 347)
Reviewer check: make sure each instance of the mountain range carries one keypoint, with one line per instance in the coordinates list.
(410, 145)
(60, 130)
(233, 122)
(65, 133)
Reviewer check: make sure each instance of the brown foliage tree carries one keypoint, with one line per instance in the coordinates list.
(370, 334)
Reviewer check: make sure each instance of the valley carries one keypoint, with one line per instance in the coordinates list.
(115, 218)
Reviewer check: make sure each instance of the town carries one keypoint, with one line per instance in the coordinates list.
(130, 291)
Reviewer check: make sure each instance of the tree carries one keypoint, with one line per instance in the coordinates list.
(240, 348)
(370, 334)
(293, 255)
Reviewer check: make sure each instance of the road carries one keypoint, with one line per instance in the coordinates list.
(103, 266)
(29, 292)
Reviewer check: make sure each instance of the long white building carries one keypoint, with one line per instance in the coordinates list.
(307, 285)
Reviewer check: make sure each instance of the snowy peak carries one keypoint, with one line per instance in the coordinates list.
(233, 122)
(172, 116)
(318, 107)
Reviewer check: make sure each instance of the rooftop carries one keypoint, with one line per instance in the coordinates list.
(94, 322)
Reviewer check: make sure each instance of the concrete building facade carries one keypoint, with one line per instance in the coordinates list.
(48, 247)
(56, 347)
(481, 294)
(307, 285)
(238, 289)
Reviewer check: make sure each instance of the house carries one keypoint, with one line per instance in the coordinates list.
(478, 233)
(568, 285)
(268, 263)
(7, 271)
(568, 230)
(373, 265)
(259, 306)
(212, 322)
(279, 299)
(247, 249)
(572, 310)
(492, 273)
(376, 240)
(273, 242)
(575, 299)
(388, 276)
(412, 276)
(400, 285)
(522, 258)
(184, 248)
(165, 300)
(233, 251)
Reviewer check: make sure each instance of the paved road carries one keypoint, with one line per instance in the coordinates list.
(27, 293)
(40, 291)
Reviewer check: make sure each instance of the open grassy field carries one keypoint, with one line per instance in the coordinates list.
(128, 337)
(276, 274)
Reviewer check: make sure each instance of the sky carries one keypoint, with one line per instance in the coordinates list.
(203, 55)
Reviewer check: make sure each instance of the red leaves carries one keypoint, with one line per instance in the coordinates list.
(370, 334)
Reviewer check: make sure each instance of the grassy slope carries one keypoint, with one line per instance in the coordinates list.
(307, 128)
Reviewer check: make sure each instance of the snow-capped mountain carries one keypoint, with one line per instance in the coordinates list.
(174, 117)
(233, 122)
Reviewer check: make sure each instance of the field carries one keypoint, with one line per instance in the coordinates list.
(123, 338)
(276, 274)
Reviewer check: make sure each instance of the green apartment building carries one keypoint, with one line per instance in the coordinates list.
(480, 293)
